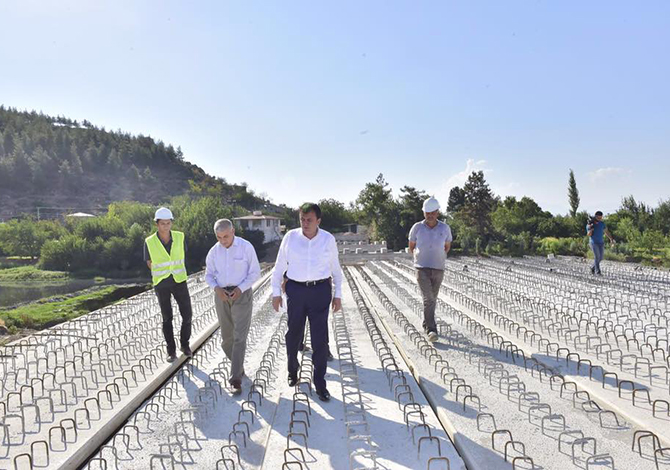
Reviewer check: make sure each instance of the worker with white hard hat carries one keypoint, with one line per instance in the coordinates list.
(164, 253)
(429, 242)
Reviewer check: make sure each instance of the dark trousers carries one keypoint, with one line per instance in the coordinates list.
(311, 302)
(183, 298)
(429, 281)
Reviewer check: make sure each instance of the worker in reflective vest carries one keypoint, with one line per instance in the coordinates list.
(164, 253)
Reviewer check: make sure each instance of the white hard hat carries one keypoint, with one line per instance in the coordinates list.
(163, 213)
(431, 205)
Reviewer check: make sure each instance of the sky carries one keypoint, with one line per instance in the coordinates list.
(308, 100)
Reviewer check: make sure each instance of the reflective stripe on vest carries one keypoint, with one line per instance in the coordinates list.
(164, 264)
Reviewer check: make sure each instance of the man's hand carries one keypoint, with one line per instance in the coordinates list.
(236, 294)
(337, 304)
(277, 302)
(222, 294)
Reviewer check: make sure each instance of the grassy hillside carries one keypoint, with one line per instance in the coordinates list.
(62, 165)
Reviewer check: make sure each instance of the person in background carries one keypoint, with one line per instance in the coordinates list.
(164, 253)
(232, 268)
(429, 242)
(596, 229)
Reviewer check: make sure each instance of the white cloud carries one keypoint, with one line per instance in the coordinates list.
(604, 173)
(459, 179)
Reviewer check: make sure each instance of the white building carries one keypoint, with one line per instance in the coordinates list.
(269, 225)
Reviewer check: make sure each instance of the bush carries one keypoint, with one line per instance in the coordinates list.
(562, 246)
(495, 248)
(25, 237)
(103, 227)
(130, 213)
(69, 253)
(117, 254)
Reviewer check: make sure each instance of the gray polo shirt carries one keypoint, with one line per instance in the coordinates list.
(429, 251)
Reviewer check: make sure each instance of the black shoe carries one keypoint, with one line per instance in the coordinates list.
(324, 395)
(187, 351)
(593, 270)
(330, 356)
(172, 357)
(237, 386)
(292, 380)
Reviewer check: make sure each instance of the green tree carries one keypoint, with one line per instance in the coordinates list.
(513, 216)
(98, 227)
(456, 199)
(43, 168)
(573, 194)
(256, 238)
(130, 212)
(661, 217)
(479, 203)
(374, 200)
(627, 231)
(380, 212)
(20, 168)
(334, 215)
(638, 212)
(21, 238)
(196, 219)
(411, 212)
(69, 253)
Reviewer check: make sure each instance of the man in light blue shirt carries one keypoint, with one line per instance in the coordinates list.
(232, 269)
(429, 242)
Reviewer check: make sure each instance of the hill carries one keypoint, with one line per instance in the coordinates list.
(61, 165)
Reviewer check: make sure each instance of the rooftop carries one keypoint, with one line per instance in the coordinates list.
(257, 215)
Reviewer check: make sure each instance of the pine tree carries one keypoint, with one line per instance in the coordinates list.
(21, 170)
(573, 194)
(478, 205)
(456, 199)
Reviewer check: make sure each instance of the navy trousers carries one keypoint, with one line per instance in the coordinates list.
(313, 303)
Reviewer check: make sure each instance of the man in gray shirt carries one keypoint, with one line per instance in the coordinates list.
(429, 242)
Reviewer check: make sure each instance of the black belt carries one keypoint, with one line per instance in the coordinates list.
(229, 288)
(311, 283)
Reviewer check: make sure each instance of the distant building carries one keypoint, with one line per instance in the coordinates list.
(269, 225)
(80, 215)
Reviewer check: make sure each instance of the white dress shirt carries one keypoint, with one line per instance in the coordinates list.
(305, 260)
(234, 266)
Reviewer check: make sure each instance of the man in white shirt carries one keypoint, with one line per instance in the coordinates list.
(232, 268)
(308, 255)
